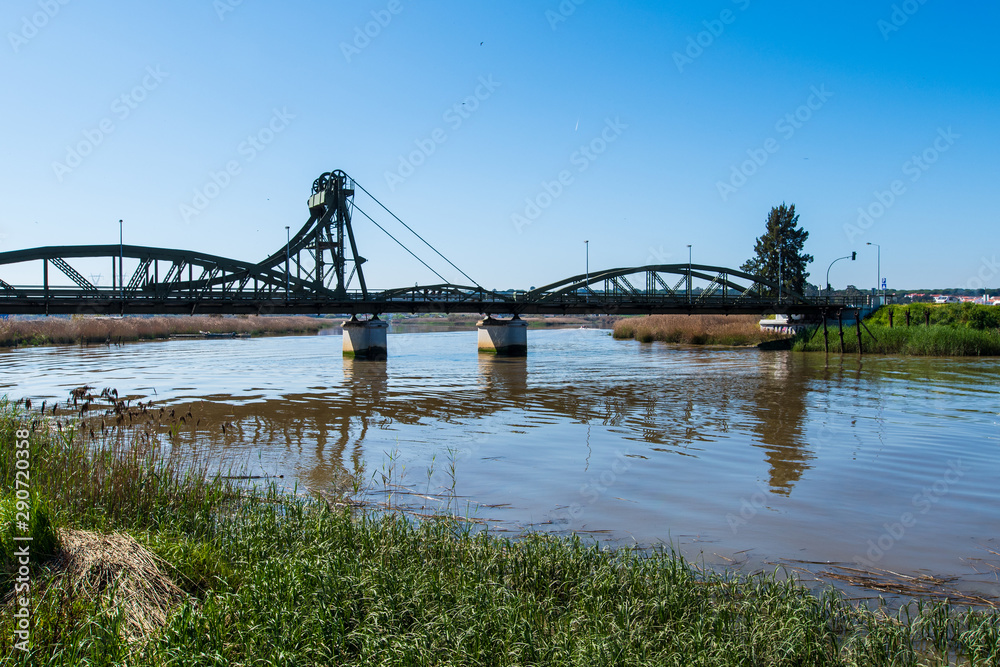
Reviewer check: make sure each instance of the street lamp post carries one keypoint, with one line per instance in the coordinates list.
(288, 260)
(586, 245)
(851, 257)
(780, 269)
(878, 265)
(689, 273)
(121, 258)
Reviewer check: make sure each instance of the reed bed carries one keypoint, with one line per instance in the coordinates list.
(955, 330)
(940, 340)
(961, 315)
(732, 330)
(102, 330)
(272, 579)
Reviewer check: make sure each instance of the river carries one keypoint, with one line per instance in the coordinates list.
(733, 456)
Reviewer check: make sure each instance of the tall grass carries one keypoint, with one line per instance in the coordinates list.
(283, 580)
(877, 338)
(959, 315)
(83, 330)
(118, 477)
(695, 329)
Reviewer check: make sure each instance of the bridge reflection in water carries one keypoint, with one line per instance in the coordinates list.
(328, 436)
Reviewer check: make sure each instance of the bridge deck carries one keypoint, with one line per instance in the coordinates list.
(66, 301)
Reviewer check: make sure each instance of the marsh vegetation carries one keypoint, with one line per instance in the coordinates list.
(86, 330)
(952, 330)
(220, 571)
(733, 330)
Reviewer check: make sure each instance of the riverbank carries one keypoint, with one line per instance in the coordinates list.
(953, 330)
(732, 330)
(219, 572)
(102, 330)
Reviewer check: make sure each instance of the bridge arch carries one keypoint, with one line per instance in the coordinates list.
(671, 281)
(204, 271)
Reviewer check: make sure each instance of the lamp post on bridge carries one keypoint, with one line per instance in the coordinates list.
(121, 258)
(586, 245)
(288, 260)
(689, 273)
(780, 277)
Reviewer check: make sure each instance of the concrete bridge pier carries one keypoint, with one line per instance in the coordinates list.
(365, 339)
(508, 338)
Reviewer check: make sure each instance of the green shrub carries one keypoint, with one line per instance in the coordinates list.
(918, 312)
(985, 317)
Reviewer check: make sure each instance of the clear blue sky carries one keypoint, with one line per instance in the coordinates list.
(671, 100)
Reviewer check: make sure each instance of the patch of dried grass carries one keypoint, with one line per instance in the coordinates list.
(695, 329)
(122, 575)
(918, 586)
(100, 330)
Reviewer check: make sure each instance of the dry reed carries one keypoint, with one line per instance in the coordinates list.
(121, 576)
(696, 329)
(100, 330)
(920, 586)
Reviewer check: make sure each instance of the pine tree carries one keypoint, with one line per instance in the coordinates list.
(784, 234)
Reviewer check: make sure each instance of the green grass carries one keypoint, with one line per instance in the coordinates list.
(956, 330)
(959, 315)
(282, 580)
(44, 542)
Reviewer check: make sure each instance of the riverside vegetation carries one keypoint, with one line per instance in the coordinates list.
(99, 330)
(959, 329)
(964, 329)
(735, 330)
(188, 567)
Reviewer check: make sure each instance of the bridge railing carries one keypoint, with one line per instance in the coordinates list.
(588, 296)
(55, 299)
(427, 294)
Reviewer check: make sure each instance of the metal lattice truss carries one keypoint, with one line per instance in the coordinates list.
(666, 288)
(312, 267)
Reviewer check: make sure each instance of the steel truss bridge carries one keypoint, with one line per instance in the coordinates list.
(310, 276)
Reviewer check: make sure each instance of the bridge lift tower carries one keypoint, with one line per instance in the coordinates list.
(328, 238)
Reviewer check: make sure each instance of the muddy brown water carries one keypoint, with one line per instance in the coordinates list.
(737, 457)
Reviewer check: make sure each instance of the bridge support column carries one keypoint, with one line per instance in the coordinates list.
(507, 338)
(365, 340)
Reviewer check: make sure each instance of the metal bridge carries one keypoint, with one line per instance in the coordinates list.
(310, 276)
